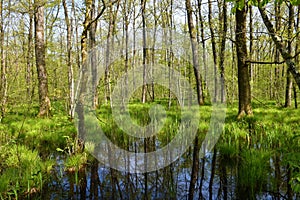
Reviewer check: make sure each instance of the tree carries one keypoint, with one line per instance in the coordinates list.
(223, 24)
(109, 46)
(29, 59)
(214, 51)
(144, 87)
(289, 81)
(201, 21)
(44, 100)
(194, 45)
(243, 66)
(69, 62)
(3, 65)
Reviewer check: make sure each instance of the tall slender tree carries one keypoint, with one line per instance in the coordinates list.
(194, 45)
(144, 87)
(29, 56)
(69, 61)
(3, 66)
(289, 80)
(214, 50)
(223, 30)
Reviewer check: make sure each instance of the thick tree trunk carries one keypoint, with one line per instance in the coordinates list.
(243, 67)
(44, 100)
(193, 38)
(283, 51)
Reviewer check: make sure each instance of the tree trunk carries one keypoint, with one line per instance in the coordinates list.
(126, 13)
(193, 38)
(202, 41)
(76, 35)
(44, 100)
(222, 50)
(289, 81)
(214, 51)
(29, 56)
(4, 86)
(251, 43)
(170, 49)
(243, 68)
(144, 87)
(93, 60)
(69, 62)
(296, 50)
(277, 53)
(283, 51)
(109, 46)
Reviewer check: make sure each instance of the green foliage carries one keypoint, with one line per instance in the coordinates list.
(75, 162)
(27, 146)
(254, 169)
(254, 141)
(23, 170)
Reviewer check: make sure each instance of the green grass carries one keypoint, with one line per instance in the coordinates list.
(27, 146)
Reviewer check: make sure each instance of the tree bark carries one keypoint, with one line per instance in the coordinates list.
(109, 46)
(144, 87)
(93, 60)
(4, 86)
(214, 51)
(202, 41)
(283, 51)
(193, 39)
(222, 50)
(289, 81)
(29, 56)
(44, 100)
(69, 62)
(277, 53)
(243, 67)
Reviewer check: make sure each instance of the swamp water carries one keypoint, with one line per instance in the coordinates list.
(226, 173)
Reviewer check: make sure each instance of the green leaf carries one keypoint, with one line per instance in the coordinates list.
(295, 2)
(59, 150)
(253, 3)
(240, 4)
